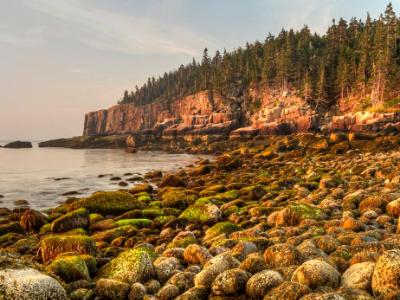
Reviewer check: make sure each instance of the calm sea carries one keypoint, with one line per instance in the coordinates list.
(42, 175)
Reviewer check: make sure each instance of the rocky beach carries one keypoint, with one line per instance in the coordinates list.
(304, 216)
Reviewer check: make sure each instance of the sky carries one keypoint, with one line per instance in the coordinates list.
(62, 58)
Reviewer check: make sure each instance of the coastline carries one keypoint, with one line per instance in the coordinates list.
(267, 207)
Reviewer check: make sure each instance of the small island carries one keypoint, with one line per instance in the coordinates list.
(18, 145)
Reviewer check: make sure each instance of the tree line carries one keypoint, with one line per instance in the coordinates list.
(359, 57)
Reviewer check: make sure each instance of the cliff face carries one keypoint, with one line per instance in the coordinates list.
(257, 112)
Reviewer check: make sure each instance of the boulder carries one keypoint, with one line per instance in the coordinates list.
(386, 275)
(282, 255)
(76, 219)
(28, 283)
(315, 273)
(112, 289)
(358, 276)
(261, 283)
(131, 266)
(53, 245)
(230, 282)
(165, 267)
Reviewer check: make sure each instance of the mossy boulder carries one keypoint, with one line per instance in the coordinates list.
(212, 190)
(108, 203)
(69, 268)
(201, 213)
(50, 247)
(182, 243)
(78, 218)
(94, 218)
(32, 220)
(220, 228)
(144, 187)
(14, 227)
(139, 223)
(112, 289)
(131, 266)
(172, 180)
(177, 197)
(253, 192)
(293, 214)
(111, 234)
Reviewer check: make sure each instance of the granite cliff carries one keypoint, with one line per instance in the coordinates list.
(206, 117)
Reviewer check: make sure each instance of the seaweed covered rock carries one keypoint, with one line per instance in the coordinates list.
(108, 203)
(295, 213)
(315, 273)
(76, 219)
(131, 266)
(32, 220)
(51, 246)
(220, 228)
(177, 197)
(172, 180)
(70, 268)
(112, 289)
(202, 213)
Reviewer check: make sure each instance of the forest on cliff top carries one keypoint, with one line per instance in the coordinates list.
(353, 58)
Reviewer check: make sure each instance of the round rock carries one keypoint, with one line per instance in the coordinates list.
(315, 273)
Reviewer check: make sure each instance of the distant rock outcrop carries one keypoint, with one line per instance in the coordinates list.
(18, 145)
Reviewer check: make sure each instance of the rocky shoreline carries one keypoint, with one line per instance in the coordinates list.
(304, 216)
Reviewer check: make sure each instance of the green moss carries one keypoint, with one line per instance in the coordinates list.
(111, 234)
(140, 223)
(28, 245)
(75, 219)
(232, 209)
(145, 198)
(70, 268)
(253, 192)
(10, 238)
(94, 218)
(11, 227)
(108, 203)
(163, 219)
(182, 243)
(151, 213)
(172, 211)
(197, 213)
(177, 198)
(306, 211)
(155, 204)
(227, 196)
(76, 231)
(53, 245)
(204, 201)
(219, 228)
(212, 190)
(132, 265)
(46, 228)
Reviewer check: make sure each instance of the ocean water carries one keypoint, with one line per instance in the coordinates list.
(42, 175)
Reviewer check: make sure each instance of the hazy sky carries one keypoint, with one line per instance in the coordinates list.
(62, 58)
